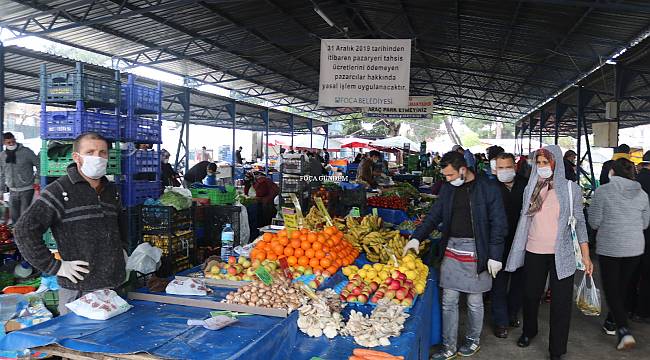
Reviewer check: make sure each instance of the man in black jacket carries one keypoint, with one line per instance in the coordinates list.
(470, 215)
(82, 209)
(639, 300)
(507, 287)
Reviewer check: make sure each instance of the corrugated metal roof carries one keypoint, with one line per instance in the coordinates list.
(495, 60)
(22, 83)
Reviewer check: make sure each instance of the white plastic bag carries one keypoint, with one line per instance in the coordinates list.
(588, 297)
(187, 287)
(244, 228)
(145, 259)
(99, 305)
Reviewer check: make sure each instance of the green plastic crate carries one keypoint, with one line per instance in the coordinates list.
(48, 239)
(58, 166)
(216, 196)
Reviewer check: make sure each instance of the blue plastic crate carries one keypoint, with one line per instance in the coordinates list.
(66, 125)
(64, 87)
(141, 130)
(140, 161)
(142, 99)
(135, 192)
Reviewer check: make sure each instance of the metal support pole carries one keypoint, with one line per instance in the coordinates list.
(579, 119)
(541, 125)
(232, 112)
(79, 66)
(591, 162)
(291, 127)
(116, 77)
(311, 135)
(530, 133)
(265, 117)
(327, 136)
(557, 131)
(186, 119)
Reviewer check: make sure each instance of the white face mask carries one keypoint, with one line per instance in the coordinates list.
(12, 147)
(460, 181)
(165, 160)
(545, 172)
(506, 175)
(93, 167)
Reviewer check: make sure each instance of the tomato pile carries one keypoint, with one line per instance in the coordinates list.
(388, 202)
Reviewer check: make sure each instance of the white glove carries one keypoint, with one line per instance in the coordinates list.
(72, 269)
(413, 244)
(494, 267)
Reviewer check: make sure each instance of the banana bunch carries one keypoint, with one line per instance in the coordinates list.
(380, 246)
(372, 221)
(314, 219)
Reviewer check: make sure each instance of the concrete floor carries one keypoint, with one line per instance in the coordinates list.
(587, 341)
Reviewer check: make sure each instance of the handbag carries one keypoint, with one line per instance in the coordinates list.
(574, 236)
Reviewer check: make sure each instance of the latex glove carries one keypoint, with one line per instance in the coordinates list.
(72, 270)
(413, 244)
(494, 267)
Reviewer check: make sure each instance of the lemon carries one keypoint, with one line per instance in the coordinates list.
(410, 274)
(362, 273)
(419, 288)
(371, 274)
(367, 267)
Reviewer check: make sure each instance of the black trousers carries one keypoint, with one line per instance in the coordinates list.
(638, 290)
(507, 295)
(616, 274)
(536, 268)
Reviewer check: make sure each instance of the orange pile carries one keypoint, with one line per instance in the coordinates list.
(326, 250)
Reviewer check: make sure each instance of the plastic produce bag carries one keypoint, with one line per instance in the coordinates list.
(187, 287)
(244, 228)
(588, 297)
(145, 259)
(99, 305)
(179, 198)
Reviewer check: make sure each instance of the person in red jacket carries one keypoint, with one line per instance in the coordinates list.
(265, 192)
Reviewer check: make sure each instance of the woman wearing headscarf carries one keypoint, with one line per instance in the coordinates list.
(620, 212)
(543, 245)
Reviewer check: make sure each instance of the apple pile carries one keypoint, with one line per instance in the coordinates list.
(358, 290)
(397, 288)
(235, 269)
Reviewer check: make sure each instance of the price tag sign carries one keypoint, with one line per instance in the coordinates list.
(290, 219)
(296, 203)
(264, 275)
(284, 265)
(321, 207)
(374, 212)
(355, 212)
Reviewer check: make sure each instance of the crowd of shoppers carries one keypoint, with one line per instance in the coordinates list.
(528, 217)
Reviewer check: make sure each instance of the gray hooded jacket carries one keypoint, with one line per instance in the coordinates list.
(620, 211)
(565, 263)
(19, 176)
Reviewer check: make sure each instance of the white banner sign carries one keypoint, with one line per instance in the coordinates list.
(364, 73)
(420, 107)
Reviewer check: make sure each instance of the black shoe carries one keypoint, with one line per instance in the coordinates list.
(515, 323)
(640, 319)
(556, 357)
(501, 332)
(524, 341)
(625, 339)
(609, 328)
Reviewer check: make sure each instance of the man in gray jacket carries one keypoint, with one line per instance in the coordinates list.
(17, 173)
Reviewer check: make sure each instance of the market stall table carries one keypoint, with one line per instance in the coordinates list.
(160, 330)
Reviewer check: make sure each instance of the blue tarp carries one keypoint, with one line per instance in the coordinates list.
(161, 330)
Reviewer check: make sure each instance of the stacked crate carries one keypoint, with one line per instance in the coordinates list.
(140, 114)
(170, 230)
(294, 168)
(93, 103)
